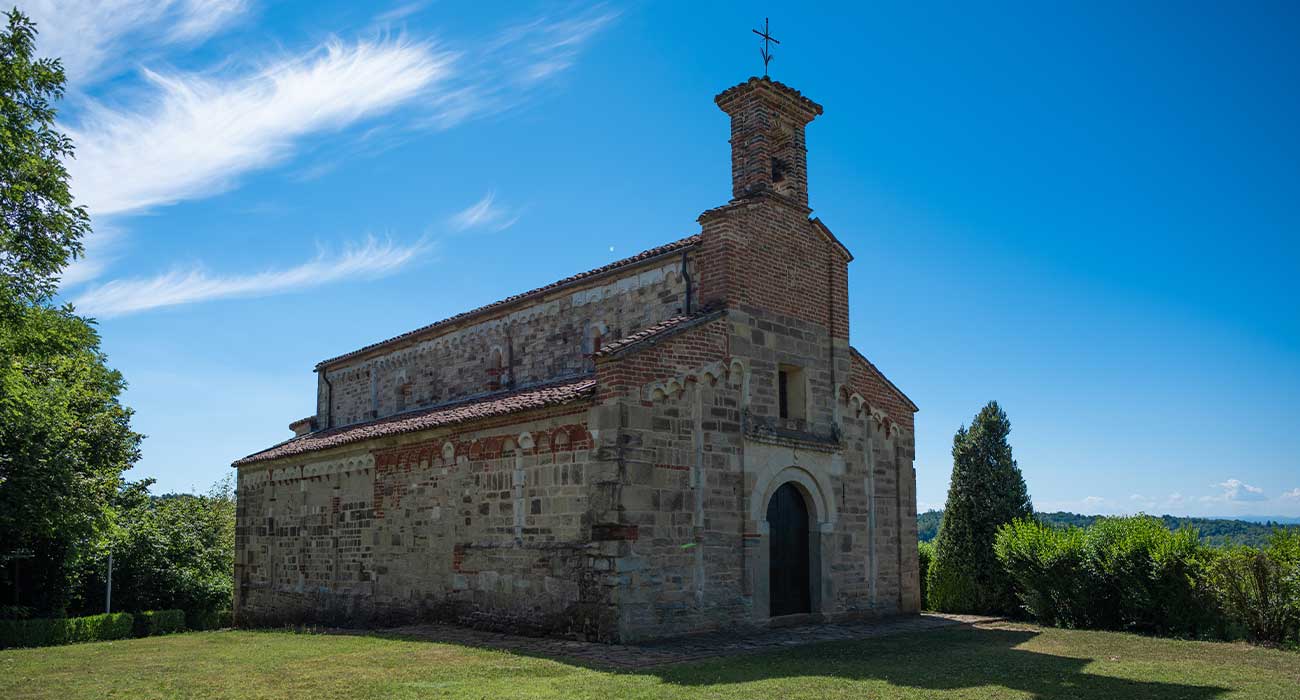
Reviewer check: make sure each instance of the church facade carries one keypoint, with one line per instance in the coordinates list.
(681, 441)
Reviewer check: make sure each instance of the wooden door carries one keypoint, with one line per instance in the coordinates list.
(787, 519)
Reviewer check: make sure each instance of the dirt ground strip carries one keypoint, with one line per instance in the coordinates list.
(672, 651)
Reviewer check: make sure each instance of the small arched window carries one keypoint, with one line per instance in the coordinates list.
(594, 338)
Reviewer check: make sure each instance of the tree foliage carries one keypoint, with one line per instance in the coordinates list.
(1259, 589)
(1216, 532)
(987, 491)
(175, 551)
(65, 439)
(40, 228)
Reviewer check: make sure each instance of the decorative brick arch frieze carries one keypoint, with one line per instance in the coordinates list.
(850, 404)
(730, 371)
(284, 474)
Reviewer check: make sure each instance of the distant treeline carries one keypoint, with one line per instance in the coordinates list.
(1214, 531)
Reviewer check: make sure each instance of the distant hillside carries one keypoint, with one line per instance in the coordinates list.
(1214, 531)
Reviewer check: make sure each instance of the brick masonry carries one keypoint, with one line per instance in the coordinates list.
(430, 485)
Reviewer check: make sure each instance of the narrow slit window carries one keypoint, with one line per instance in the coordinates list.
(791, 393)
(783, 393)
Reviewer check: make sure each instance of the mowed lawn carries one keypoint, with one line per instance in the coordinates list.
(1000, 661)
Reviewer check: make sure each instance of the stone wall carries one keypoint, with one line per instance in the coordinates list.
(533, 341)
(487, 525)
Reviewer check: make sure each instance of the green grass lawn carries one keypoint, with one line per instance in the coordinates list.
(1006, 661)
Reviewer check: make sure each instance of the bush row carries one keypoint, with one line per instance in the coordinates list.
(98, 628)
(925, 558)
(1135, 574)
(42, 633)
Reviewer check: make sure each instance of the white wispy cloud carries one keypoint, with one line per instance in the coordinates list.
(504, 71)
(400, 12)
(1292, 494)
(89, 34)
(197, 134)
(1236, 490)
(368, 260)
(484, 213)
(200, 18)
(189, 135)
(547, 45)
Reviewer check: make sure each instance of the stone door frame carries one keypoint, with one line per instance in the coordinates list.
(821, 525)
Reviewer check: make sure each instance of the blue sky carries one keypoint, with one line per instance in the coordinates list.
(1088, 211)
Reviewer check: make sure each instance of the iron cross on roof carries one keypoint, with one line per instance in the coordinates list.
(766, 51)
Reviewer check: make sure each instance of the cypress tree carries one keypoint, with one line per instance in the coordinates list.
(987, 491)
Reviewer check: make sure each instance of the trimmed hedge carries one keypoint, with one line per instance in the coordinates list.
(66, 630)
(154, 622)
(209, 619)
(925, 556)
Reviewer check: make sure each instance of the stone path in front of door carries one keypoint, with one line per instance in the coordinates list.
(692, 648)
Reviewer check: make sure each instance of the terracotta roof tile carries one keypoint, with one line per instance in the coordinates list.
(644, 255)
(553, 394)
(664, 327)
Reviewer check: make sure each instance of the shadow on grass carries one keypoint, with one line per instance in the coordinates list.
(952, 659)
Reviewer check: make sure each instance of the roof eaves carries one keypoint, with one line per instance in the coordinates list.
(827, 232)
(532, 398)
(880, 374)
(653, 334)
(642, 258)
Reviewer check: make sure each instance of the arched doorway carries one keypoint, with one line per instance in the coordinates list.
(788, 580)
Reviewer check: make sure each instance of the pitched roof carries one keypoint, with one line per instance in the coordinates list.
(653, 333)
(641, 257)
(500, 404)
(880, 374)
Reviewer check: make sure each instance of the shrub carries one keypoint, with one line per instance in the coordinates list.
(1120, 574)
(154, 622)
(1047, 568)
(925, 555)
(209, 619)
(1146, 578)
(1260, 588)
(98, 628)
(67, 630)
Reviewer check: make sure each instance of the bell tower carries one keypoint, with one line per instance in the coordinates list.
(768, 154)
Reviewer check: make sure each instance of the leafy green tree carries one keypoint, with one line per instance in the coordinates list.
(40, 228)
(987, 491)
(65, 439)
(175, 551)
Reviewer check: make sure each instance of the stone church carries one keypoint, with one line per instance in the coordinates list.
(677, 442)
